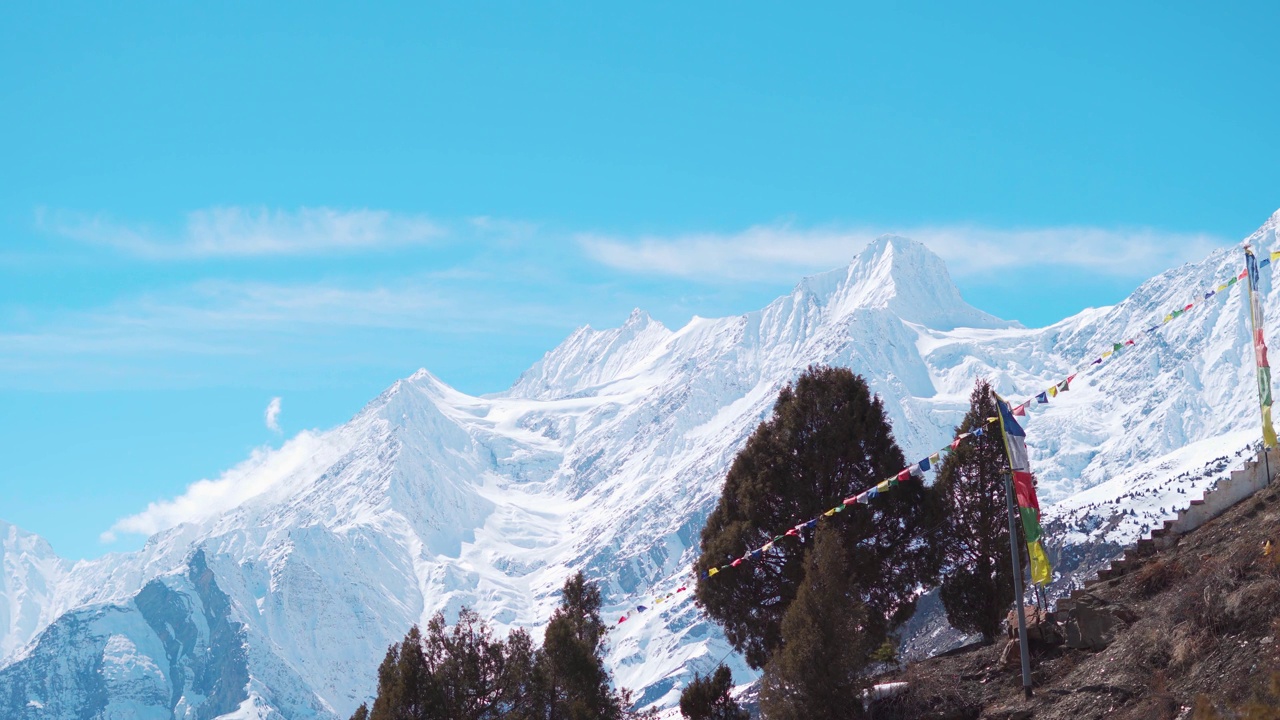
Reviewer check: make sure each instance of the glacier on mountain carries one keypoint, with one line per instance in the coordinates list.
(605, 456)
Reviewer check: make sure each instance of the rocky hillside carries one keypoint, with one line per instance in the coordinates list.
(1190, 631)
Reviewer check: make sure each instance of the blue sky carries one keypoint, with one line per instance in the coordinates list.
(205, 208)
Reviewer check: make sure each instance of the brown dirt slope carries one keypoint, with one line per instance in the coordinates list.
(1205, 644)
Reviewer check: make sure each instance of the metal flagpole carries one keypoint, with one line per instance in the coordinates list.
(1017, 587)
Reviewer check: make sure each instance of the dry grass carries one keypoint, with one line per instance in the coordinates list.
(1159, 575)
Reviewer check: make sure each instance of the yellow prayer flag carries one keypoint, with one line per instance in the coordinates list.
(830, 512)
(1053, 391)
(712, 571)
(1041, 571)
(883, 487)
(1167, 318)
(1275, 255)
(935, 458)
(1222, 287)
(1106, 354)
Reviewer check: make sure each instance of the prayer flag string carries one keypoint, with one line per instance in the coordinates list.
(917, 470)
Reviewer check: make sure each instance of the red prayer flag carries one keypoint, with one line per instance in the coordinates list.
(622, 619)
(904, 475)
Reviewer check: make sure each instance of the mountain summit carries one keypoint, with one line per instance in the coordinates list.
(905, 277)
(605, 456)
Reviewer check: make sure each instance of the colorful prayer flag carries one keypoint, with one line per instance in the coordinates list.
(1020, 411)
(1257, 320)
(1025, 491)
(622, 619)
(883, 487)
(904, 475)
(1243, 274)
(1065, 385)
(1095, 362)
(1275, 255)
(1053, 391)
(923, 465)
(1265, 262)
(935, 458)
(641, 608)
(1128, 342)
(1042, 398)
(1221, 287)
(1167, 318)
(1208, 295)
(830, 512)
(712, 571)
(979, 431)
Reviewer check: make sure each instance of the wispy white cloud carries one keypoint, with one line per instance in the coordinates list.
(780, 251)
(265, 469)
(246, 232)
(158, 337)
(272, 415)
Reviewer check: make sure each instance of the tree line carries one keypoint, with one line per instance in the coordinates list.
(464, 672)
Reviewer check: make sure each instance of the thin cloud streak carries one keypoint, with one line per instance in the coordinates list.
(227, 232)
(766, 253)
(265, 470)
(272, 415)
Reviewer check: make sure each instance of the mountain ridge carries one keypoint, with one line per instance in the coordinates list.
(607, 454)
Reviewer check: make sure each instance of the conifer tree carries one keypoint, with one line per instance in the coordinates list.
(571, 665)
(406, 689)
(467, 665)
(828, 438)
(828, 638)
(361, 713)
(978, 580)
(708, 698)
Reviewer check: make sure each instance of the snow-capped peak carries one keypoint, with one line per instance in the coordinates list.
(589, 358)
(905, 277)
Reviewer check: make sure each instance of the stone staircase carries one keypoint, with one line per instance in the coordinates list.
(1253, 476)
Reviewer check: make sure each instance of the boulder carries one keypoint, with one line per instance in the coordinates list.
(1092, 622)
(1042, 626)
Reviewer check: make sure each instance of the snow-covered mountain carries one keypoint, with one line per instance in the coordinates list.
(605, 456)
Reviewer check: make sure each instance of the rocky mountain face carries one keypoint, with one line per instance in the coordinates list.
(606, 456)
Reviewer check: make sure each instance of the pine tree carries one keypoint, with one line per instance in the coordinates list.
(708, 698)
(978, 583)
(361, 713)
(522, 691)
(828, 638)
(827, 439)
(571, 665)
(468, 665)
(406, 689)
